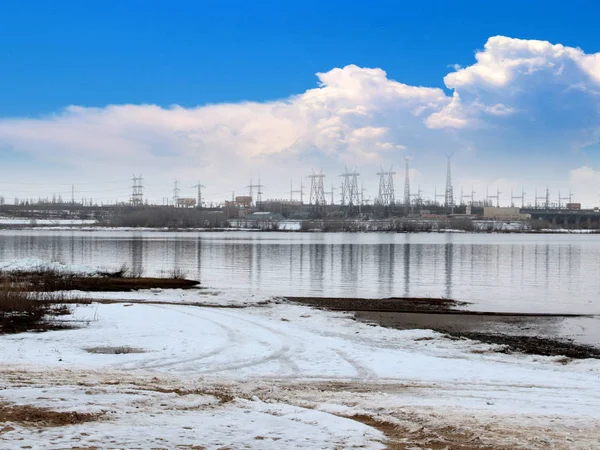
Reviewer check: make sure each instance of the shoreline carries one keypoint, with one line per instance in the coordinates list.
(268, 229)
(517, 332)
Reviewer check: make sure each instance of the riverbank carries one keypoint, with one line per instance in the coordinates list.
(282, 376)
(350, 226)
(514, 332)
(213, 368)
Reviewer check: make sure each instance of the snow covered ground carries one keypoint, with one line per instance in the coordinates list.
(33, 222)
(202, 296)
(285, 376)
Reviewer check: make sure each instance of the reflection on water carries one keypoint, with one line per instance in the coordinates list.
(535, 273)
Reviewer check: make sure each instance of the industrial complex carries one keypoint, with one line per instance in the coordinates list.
(309, 200)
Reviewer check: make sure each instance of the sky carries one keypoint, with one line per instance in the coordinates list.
(224, 92)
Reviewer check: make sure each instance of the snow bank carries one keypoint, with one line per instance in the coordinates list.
(34, 264)
(191, 296)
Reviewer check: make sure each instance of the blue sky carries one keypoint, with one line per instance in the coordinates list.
(95, 53)
(89, 55)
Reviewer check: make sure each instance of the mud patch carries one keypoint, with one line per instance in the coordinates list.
(393, 304)
(28, 415)
(529, 334)
(536, 346)
(221, 394)
(404, 438)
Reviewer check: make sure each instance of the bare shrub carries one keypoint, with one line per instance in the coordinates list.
(308, 225)
(167, 217)
(177, 273)
(537, 225)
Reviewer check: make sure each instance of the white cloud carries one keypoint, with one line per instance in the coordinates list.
(343, 121)
(453, 115)
(585, 184)
(546, 87)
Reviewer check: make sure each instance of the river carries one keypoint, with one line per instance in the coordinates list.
(495, 272)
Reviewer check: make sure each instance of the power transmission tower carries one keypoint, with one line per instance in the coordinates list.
(175, 193)
(317, 194)
(362, 198)
(350, 195)
(545, 197)
(497, 196)
(407, 186)
(472, 196)
(137, 191)
(299, 191)
(418, 198)
(449, 197)
(560, 199)
(258, 190)
(386, 196)
(333, 189)
(517, 197)
(199, 186)
(436, 196)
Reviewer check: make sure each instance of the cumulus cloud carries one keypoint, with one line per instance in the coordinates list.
(518, 97)
(343, 121)
(531, 88)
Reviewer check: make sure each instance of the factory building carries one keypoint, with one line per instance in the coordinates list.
(504, 213)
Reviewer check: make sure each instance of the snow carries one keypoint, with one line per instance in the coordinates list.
(192, 296)
(143, 418)
(568, 231)
(34, 264)
(33, 221)
(292, 371)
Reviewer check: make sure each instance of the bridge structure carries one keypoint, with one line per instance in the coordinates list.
(566, 218)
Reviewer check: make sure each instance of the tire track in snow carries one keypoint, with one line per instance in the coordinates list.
(278, 354)
(361, 370)
(157, 363)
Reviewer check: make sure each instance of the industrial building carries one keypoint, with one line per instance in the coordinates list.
(504, 213)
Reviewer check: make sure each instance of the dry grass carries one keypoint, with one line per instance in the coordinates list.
(22, 310)
(122, 280)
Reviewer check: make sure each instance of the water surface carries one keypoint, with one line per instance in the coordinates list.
(496, 272)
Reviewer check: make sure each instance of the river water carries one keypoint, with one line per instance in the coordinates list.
(496, 272)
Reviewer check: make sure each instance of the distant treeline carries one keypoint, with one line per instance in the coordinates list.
(166, 218)
(422, 226)
(394, 225)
